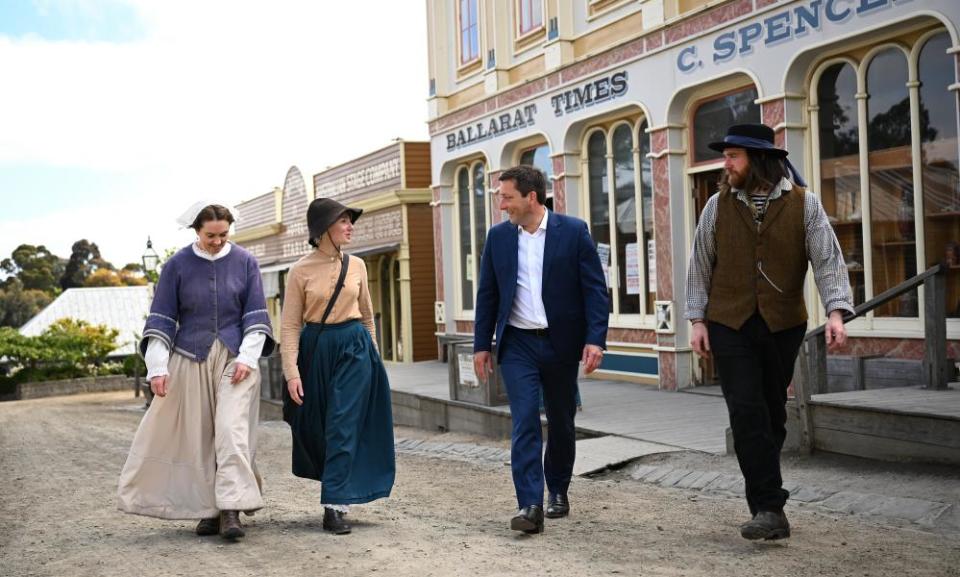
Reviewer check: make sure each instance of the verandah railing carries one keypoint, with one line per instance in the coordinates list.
(936, 366)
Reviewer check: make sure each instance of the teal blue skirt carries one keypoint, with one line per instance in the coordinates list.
(343, 431)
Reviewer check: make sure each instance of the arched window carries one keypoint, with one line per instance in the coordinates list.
(539, 156)
(713, 117)
(620, 212)
(941, 181)
(838, 131)
(473, 220)
(909, 204)
(891, 179)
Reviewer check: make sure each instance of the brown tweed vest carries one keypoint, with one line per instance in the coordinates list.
(759, 269)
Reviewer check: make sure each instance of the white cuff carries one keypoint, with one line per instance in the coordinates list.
(156, 358)
(250, 350)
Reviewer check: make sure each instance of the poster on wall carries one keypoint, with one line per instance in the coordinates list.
(465, 365)
(652, 265)
(633, 268)
(603, 250)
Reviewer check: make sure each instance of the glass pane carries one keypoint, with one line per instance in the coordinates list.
(465, 244)
(647, 248)
(941, 182)
(894, 251)
(398, 306)
(840, 167)
(479, 213)
(524, 16)
(712, 118)
(536, 20)
(599, 199)
(540, 157)
(625, 201)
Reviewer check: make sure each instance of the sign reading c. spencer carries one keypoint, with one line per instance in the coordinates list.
(783, 26)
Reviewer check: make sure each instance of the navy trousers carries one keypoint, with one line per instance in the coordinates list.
(529, 365)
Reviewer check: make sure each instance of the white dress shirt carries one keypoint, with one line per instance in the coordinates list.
(157, 356)
(527, 312)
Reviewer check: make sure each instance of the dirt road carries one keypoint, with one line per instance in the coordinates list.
(60, 457)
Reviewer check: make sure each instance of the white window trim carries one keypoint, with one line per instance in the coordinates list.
(465, 314)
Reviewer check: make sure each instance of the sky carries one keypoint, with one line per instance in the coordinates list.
(117, 115)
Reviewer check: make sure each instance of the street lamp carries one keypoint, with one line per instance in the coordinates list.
(150, 258)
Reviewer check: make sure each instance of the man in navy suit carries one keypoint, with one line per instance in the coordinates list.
(543, 293)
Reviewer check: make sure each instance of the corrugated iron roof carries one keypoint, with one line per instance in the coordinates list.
(121, 308)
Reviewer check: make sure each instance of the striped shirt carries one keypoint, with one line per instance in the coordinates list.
(823, 251)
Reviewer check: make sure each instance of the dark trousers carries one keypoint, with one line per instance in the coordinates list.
(756, 367)
(529, 364)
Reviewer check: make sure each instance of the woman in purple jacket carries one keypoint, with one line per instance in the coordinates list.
(193, 454)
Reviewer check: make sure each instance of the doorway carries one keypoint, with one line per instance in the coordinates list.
(704, 186)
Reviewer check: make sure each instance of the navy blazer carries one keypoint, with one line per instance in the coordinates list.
(574, 290)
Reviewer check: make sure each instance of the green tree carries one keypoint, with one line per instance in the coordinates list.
(35, 267)
(17, 305)
(84, 260)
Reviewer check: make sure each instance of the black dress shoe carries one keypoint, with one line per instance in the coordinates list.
(529, 520)
(209, 526)
(230, 527)
(769, 525)
(558, 506)
(334, 523)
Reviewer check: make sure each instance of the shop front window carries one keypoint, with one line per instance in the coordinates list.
(621, 215)
(472, 222)
(941, 181)
(712, 118)
(838, 131)
(891, 180)
(909, 229)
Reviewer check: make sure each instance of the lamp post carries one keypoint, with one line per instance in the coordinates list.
(150, 260)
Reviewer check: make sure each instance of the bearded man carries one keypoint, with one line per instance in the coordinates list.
(745, 300)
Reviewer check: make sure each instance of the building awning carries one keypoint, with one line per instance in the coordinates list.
(376, 249)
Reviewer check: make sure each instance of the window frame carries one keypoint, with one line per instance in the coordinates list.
(870, 325)
(465, 66)
(467, 314)
(645, 319)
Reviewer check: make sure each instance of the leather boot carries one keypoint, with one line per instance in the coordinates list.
(769, 525)
(210, 526)
(230, 527)
(333, 522)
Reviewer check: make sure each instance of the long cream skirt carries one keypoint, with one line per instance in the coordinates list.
(193, 454)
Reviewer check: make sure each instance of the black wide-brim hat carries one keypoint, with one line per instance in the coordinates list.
(323, 212)
(751, 136)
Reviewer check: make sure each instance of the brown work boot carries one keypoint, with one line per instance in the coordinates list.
(230, 527)
(210, 526)
(769, 525)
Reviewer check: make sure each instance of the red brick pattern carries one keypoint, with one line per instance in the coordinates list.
(668, 371)
(653, 41)
(894, 348)
(707, 20)
(465, 327)
(496, 215)
(772, 112)
(520, 93)
(632, 336)
(604, 60)
(559, 186)
(661, 218)
(764, 3)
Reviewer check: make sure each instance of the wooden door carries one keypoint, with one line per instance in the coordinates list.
(704, 186)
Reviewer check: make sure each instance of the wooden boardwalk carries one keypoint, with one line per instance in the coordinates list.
(905, 401)
(640, 412)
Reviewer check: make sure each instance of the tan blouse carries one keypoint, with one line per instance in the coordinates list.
(310, 284)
